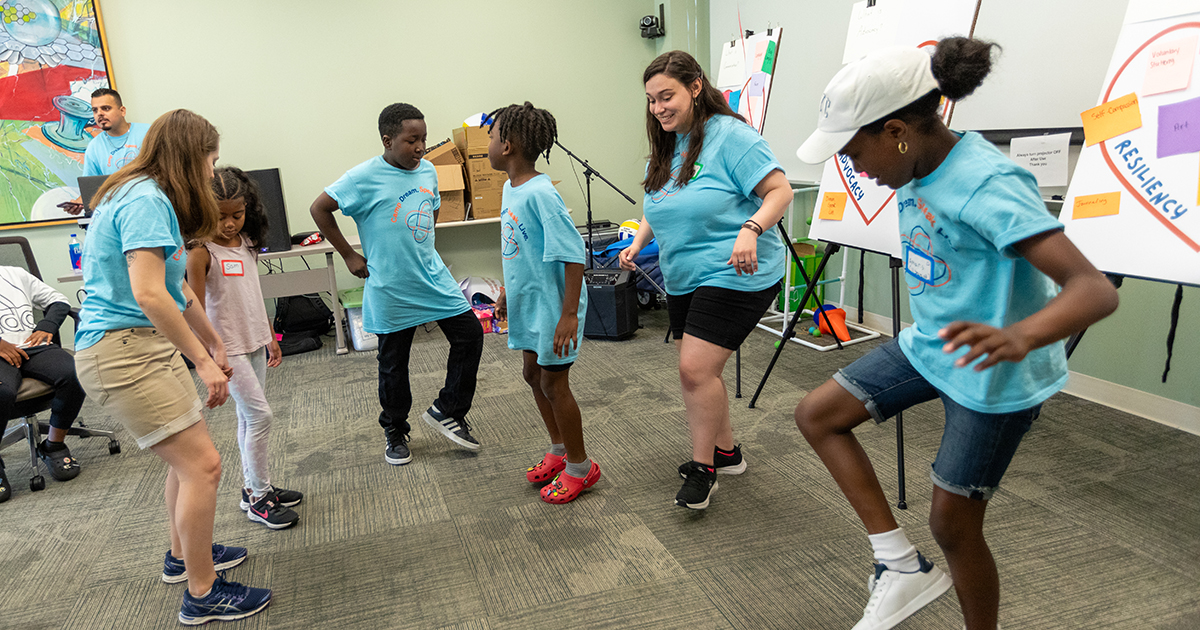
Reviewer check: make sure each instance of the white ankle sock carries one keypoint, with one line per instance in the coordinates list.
(893, 550)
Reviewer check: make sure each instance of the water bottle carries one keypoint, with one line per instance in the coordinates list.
(76, 255)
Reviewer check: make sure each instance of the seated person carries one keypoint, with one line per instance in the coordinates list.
(27, 350)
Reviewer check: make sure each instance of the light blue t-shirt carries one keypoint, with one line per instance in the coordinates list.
(958, 226)
(537, 237)
(137, 215)
(697, 225)
(408, 285)
(105, 154)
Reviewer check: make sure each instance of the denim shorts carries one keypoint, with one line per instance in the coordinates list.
(976, 447)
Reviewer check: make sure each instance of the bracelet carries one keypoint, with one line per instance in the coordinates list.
(752, 225)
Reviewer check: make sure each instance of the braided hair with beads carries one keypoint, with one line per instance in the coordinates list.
(533, 130)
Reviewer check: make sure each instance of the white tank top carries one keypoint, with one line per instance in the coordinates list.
(233, 298)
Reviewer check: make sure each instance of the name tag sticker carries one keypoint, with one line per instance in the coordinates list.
(918, 264)
(232, 268)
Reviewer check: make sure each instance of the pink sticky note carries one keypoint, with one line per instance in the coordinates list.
(1169, 65)
(760, 51)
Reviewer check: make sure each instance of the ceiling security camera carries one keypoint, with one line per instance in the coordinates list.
(652, 26)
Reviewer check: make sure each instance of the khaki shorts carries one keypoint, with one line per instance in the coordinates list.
(139, 378)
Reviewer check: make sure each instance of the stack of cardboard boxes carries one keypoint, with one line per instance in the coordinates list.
(466, 180)
(485, 185)
(446, 158)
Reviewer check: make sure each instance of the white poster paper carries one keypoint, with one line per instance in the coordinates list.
(733, 66)
(1155, 233)
(870, 28)
(1044, 156)
(871, 219)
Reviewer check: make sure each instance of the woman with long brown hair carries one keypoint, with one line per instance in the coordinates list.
(138, 315)
(713, 190)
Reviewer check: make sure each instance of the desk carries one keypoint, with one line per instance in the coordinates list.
(283, 284)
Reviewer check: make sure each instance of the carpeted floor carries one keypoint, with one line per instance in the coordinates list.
(1097, 524)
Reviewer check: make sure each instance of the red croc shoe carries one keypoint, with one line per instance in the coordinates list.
(545, 470)
(565, 488)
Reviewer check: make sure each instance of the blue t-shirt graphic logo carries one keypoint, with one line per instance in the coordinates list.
(509, 245)
(420, 221)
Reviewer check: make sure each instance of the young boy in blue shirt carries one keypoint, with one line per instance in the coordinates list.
(393, 198)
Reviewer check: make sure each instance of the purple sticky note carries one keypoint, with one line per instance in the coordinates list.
(1179, 128)
(758, 82)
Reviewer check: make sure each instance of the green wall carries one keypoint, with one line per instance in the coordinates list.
(299, 86)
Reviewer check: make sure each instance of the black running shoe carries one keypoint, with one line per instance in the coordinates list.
(397, 452)
(725, 464)
(286, 498)
(61, 464)
(272, 514)
(5, 487)
(455, 429)
(699, 485)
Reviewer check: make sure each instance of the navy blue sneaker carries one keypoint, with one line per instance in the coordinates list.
(456, 430)
(226, 601)
(223, 558)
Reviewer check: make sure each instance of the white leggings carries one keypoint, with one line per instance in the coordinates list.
(254, 417)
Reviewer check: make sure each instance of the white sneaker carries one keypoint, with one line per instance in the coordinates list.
(896, 595)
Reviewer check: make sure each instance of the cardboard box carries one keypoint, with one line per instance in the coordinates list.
(485, 185)
(444, 153)
(451, 187)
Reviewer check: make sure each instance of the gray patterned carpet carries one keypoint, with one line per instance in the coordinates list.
(1097, 524)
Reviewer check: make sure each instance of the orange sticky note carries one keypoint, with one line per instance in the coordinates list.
(832, 206)
(1111, 119)
(1101, 205)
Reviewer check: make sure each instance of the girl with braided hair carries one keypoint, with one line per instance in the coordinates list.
(543, 272)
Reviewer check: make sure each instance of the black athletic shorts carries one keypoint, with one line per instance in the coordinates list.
(723, 317)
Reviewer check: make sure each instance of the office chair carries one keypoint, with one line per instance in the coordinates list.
(34, 396)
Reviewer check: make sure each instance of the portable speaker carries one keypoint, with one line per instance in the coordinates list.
(612, 311)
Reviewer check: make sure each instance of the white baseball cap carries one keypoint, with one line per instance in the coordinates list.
(864, 91)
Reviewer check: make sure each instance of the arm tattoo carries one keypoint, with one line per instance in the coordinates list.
(188, 305)
(129, 256)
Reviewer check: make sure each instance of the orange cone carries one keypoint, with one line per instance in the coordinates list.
(828, 315)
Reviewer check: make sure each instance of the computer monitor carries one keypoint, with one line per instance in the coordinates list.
(279, 238)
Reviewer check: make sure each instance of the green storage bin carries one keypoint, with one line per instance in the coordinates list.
(810, 257)
(351, 298)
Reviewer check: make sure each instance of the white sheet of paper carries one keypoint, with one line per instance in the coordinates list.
(870, 28)
(1044, 156)
(733, 67)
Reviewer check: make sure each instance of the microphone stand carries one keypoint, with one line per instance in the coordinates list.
(588, 173)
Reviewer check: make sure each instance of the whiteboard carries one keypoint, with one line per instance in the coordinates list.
(1132, 207)
(1055, 56)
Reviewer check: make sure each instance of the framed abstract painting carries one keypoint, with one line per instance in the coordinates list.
(52, 56)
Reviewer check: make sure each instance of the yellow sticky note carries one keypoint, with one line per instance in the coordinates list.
(1111, 119)
(832, 206)
(1101, 205)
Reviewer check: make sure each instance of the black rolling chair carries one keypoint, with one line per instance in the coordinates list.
(34, 396)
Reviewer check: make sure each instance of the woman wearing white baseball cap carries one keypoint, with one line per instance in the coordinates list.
(982, 258)
(714, 192)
